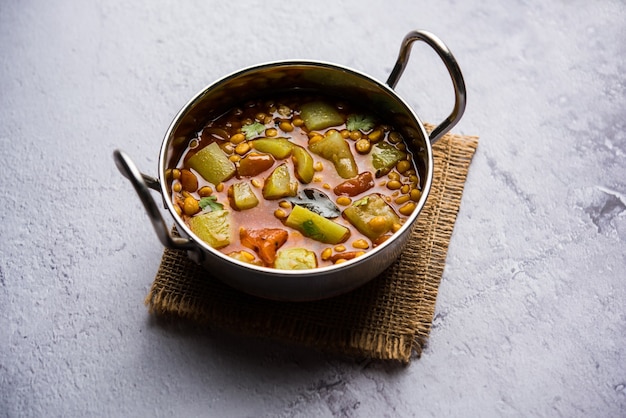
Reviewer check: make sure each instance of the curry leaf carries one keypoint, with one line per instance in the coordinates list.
(316, 201)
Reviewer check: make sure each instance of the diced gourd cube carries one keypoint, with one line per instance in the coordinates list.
(295, 259)
(316, 227)
(335, 149)
(279, 148)
(212, 227)
(303, 164)
(279, 184)
(372, 216)
(385, 157)
(212, 164)
(242, 196)
(320, 115)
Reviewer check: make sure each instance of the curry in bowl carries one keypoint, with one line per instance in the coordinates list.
(296, 181)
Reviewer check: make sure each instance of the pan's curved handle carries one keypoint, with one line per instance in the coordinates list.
(141, 182)
(452, 66)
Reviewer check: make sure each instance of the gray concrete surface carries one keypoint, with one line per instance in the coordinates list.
(531, 316)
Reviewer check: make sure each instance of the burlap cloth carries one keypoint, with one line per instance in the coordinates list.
(389, 318)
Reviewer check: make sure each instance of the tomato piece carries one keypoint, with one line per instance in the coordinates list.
(355, 186)
(265, 242)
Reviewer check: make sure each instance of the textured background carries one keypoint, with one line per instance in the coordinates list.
(531, 317)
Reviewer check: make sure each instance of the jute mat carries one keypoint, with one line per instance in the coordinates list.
(389, 318)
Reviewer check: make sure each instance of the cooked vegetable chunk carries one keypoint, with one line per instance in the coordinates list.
(212, 163)
(303, 164)
(279, 184)
(355, 186)
(212, 227)
(254, 163)
(316, 227)
(385, 157)
(242, 197)
(372, 216)
(319, 115)
(280, 148)
(265, 242)
(295, 259)
(335, 149)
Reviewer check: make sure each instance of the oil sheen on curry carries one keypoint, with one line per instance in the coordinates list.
(298, 182)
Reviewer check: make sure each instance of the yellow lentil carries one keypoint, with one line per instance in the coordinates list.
(280, 214)
(395, 137)
(205, 191)
(326, 253)
(340, 248)
(242, 148)
(271, 132)
(285, 126)
(315, 138)
(393, 176)
(415, 195)
(284, 204)
(237, 138)
(361, 244)
(256, 182)
(375, 135)
(190, 206)
(407, 209)
(363, 146)
(344, 200)
(377, 223)
(403, 199)
(177, 187)
(403, 166)
(394, 184)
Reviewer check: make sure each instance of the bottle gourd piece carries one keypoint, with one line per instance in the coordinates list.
(295, 259)
(335, 149)
(212, 227)
(279, 184)
(212, 164)
(319, 115)
(242, 196)
(316, 226)
(372, 216)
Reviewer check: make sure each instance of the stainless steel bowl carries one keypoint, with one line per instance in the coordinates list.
(276, 77)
